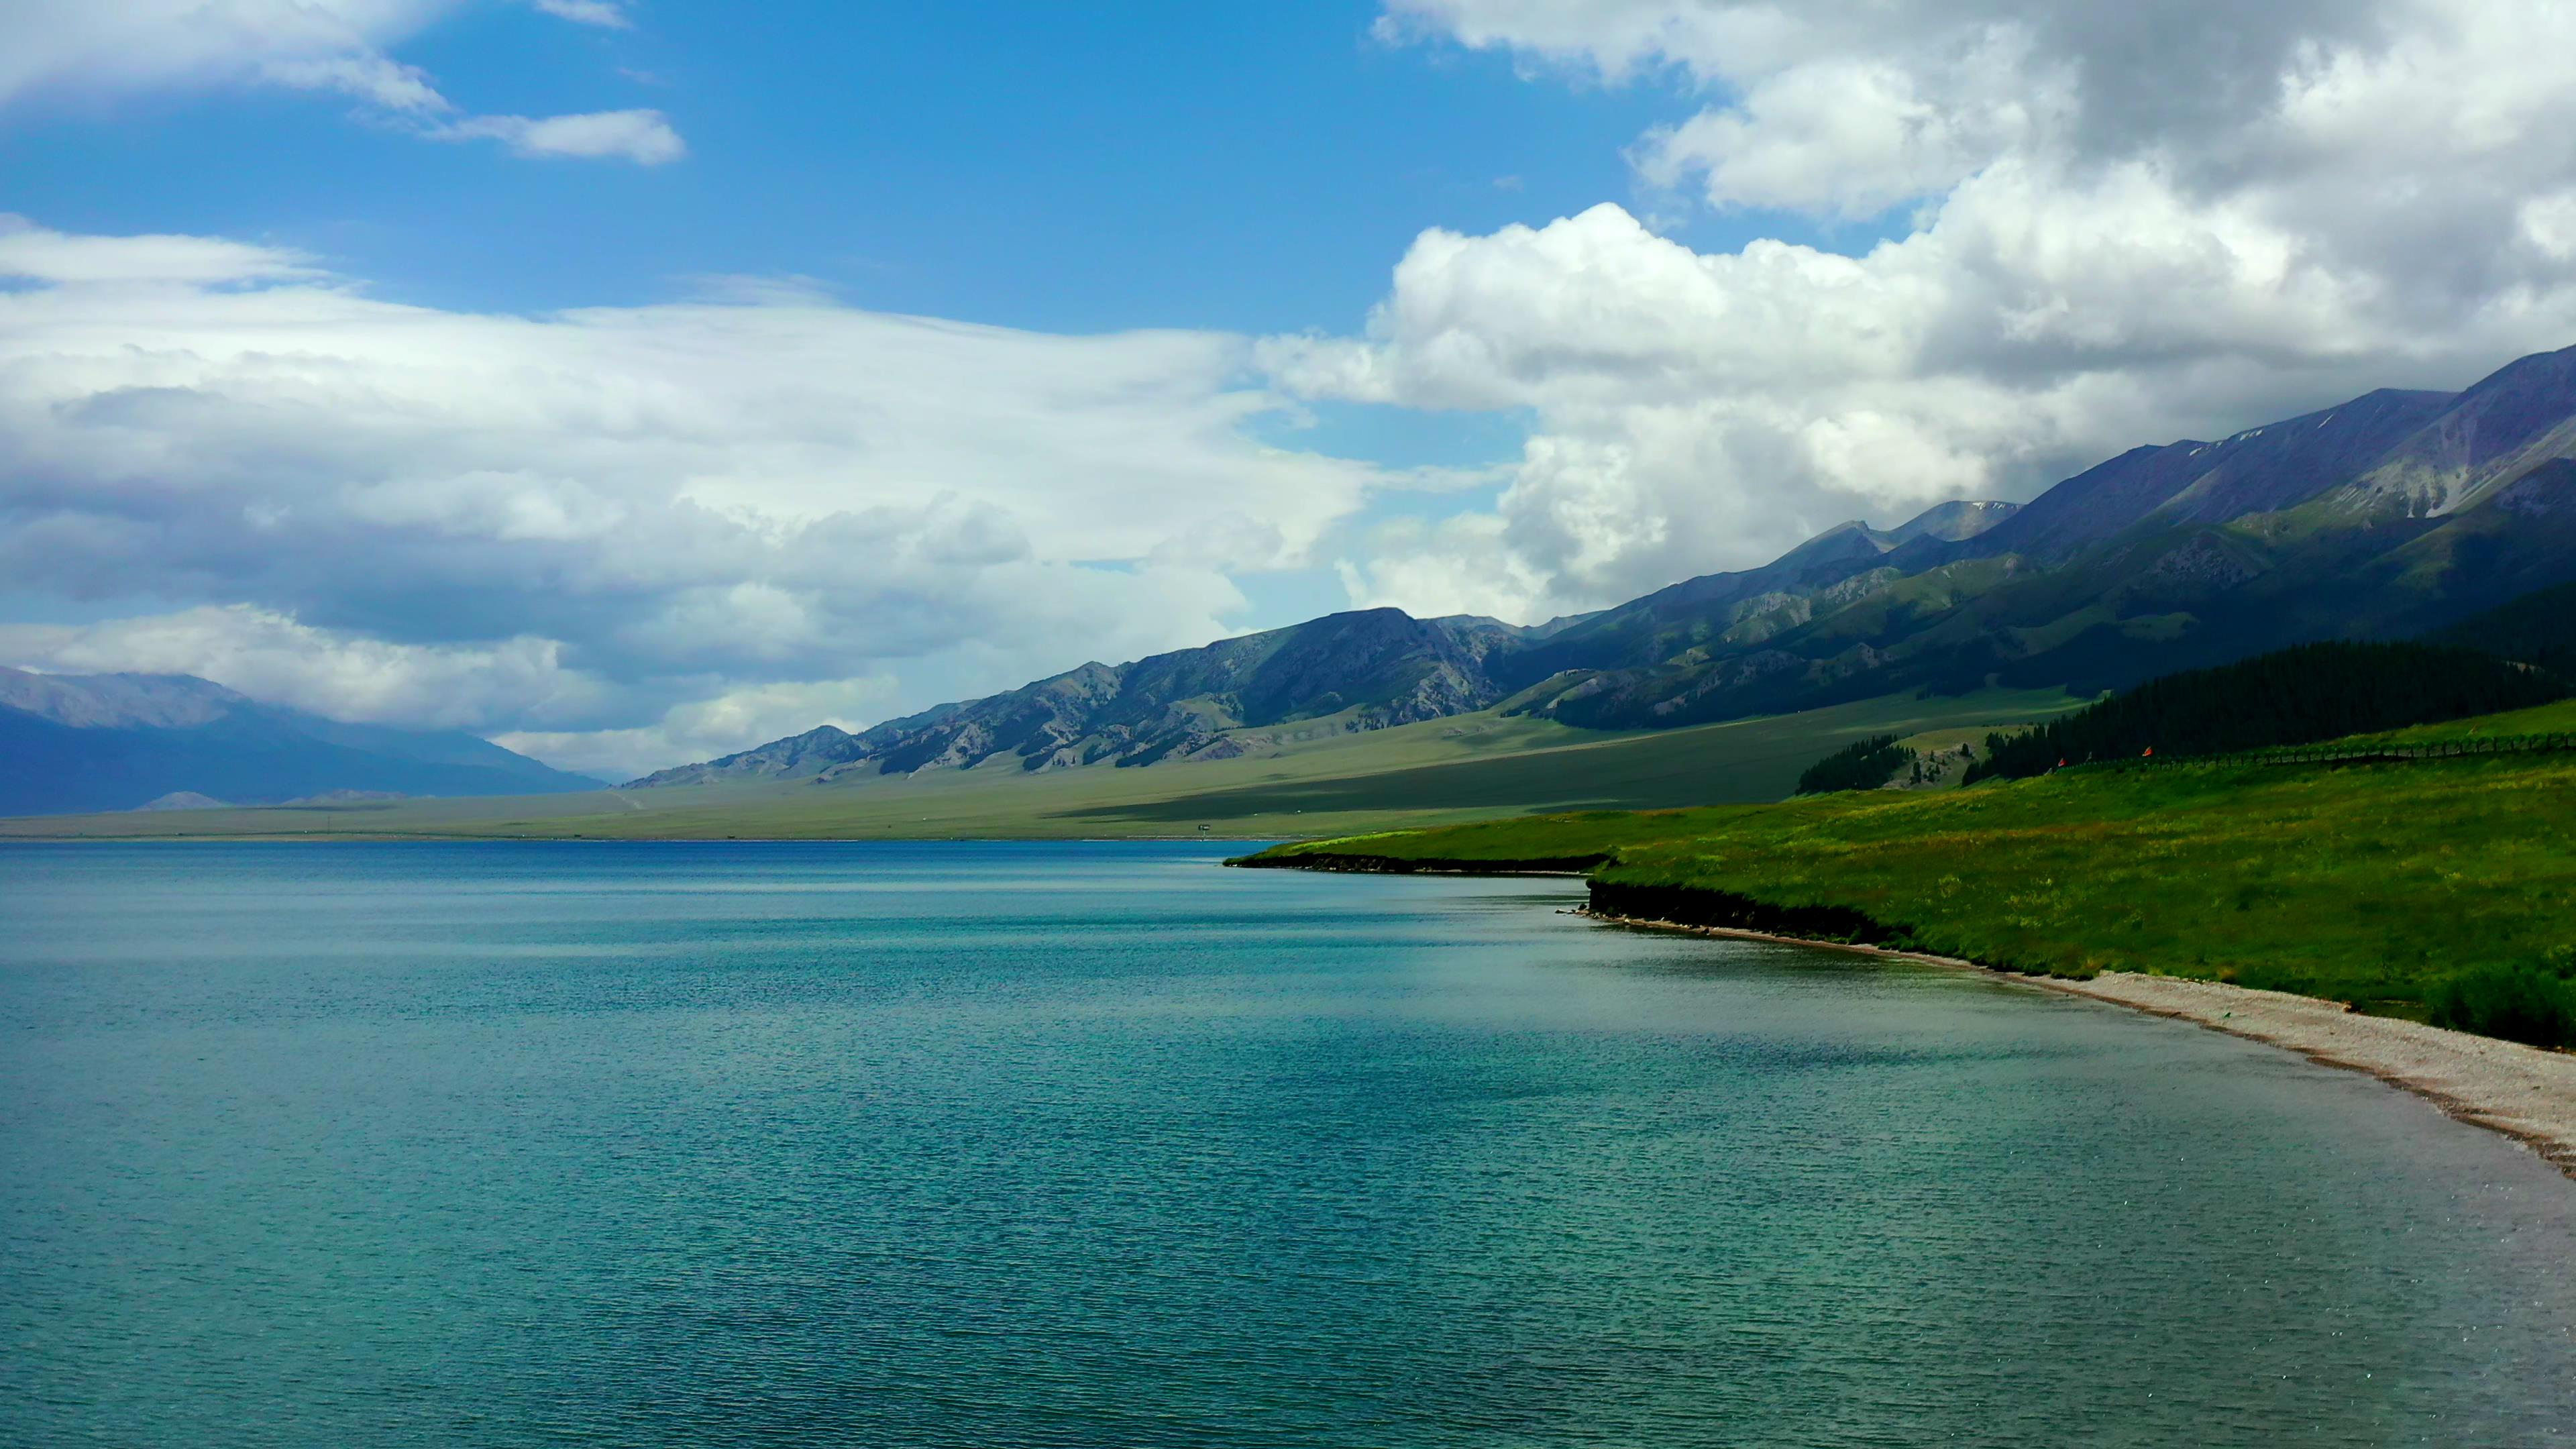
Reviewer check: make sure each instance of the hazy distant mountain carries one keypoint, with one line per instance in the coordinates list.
(170, 741)
(2388, 515)
(182, 800)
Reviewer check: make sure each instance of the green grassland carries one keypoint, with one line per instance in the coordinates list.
(2547, 719)
(2370, 884)
(1311, 779)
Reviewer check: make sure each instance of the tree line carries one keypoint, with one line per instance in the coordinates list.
(2295, 696)
(1862, 766)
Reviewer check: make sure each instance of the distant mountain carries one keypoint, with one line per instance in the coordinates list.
(1369, 669)
(2383, 517)
(92, 742)
(1952, 522)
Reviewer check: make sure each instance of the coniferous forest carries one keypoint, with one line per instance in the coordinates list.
(2538, 628)
(2292, 697)
(1862, 766)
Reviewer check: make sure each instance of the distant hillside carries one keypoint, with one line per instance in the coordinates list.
(2538, 629)
(72, 743)
(2383, 517)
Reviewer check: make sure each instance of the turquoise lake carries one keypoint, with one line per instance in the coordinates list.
(1087, 1144)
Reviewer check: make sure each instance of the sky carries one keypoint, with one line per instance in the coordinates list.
(631, 381)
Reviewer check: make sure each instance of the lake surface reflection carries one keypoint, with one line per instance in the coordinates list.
(1103, 1145)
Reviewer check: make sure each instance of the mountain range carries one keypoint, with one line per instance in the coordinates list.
(93, 742)
(2392, 514)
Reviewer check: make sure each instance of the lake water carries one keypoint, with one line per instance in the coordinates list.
(1104, 1145)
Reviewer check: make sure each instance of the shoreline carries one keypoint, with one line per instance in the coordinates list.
(2521, 1092)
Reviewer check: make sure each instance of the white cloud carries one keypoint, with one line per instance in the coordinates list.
(1459, 565)
(706, 728)
(588, 12)
(367, 76)
(117, 47)
(34, 253)
(2125, 224)
(2549, 225)
(1852, 137)
(643, 137)
(271, 657)
(609, 515)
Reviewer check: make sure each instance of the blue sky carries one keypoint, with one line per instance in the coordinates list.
(1253, 169)
(1062, 168)
(632, 380)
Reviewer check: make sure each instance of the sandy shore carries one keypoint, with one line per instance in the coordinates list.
(2521, 1091)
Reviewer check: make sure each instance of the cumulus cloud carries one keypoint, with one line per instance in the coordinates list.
(2117, 225)
(113, 47)
(706, 728)
(611, 518)
(522, 680)
(1853, 136)
(271, 657)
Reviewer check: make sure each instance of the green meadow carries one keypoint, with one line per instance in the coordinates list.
(2380, 885)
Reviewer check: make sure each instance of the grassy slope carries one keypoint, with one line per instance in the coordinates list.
(2545, 719)
(1306, 781)
(2359, 884)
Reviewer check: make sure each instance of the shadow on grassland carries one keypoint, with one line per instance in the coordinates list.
(1656, 772)
(1741, 763)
